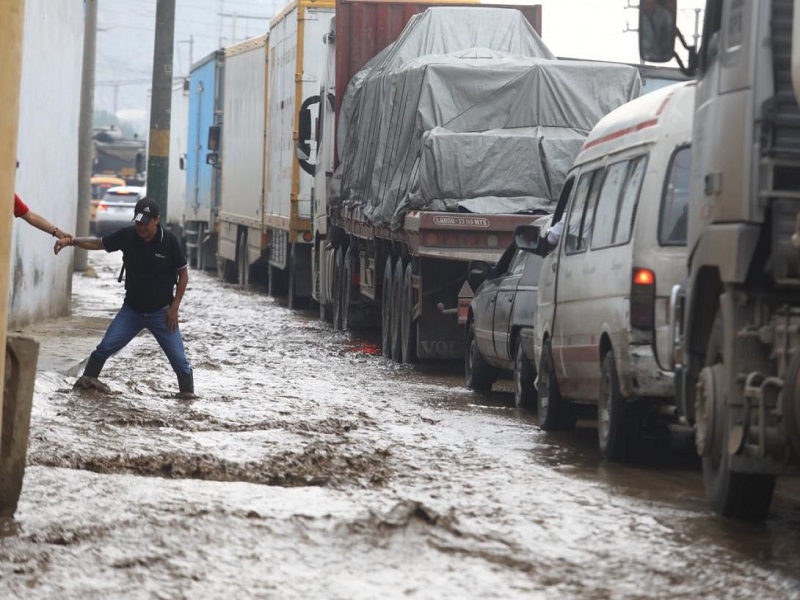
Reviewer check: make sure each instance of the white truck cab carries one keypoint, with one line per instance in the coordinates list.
(737, 315)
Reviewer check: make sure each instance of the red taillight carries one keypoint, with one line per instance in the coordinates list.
(644, 277)
(102, 206)
(643, 298)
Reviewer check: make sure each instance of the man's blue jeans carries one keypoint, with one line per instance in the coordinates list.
(126, 325)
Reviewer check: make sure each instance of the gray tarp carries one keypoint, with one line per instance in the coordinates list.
(394, 158)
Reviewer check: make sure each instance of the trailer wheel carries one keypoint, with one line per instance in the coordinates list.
(386, 309)
(742, 495)
(226, 270)
(524, 380)
(478, 375)
(614, 420)
(408, 337)
(338, 275)
(397, 308)
(347, 288)
(555, 412)
(242, 260)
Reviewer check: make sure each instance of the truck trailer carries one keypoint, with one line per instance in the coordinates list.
(241, 211)
(440, 155)
(202, 162)
(736, 318)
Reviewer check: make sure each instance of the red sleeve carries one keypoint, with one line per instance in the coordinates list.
(20, 208)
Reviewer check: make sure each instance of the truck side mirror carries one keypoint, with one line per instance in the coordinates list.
(212, 158)
(657, 30)
(528, 238)
(213, 138)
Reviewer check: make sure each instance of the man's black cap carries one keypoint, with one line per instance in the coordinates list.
(145, 210)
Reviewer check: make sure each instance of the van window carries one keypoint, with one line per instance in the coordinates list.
(606, 216)
(518, 264)
(675, 200)
(577, 232)
(616, 207)
(630, 197)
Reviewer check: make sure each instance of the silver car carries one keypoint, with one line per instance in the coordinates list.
(115, 210)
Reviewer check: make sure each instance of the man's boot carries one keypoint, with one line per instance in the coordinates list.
(186, 384)
(90, 374)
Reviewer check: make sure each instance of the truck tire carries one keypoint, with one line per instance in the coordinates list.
(741, 495)
(338, 274)
(386, 309)
(524, 380)
(242, 264)
(555, 412)
(347, 288)
(408, 337)
(614, 421)
(478, 375)
(397, 309)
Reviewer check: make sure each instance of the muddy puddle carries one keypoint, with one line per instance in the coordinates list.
(310, 466)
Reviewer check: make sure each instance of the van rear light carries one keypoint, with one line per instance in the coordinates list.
(643, 298)
(102, 206)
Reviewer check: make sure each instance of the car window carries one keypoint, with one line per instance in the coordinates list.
(574, 226)
(675, 200)
(630, 197)
(605, 219)
(518, 264)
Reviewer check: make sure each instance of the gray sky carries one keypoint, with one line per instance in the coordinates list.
(592, 29)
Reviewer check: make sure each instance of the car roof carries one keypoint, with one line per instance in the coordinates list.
(125, 189)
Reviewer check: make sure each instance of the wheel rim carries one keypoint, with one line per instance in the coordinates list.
(518, 391)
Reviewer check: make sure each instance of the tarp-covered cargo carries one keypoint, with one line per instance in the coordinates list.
(489, 123)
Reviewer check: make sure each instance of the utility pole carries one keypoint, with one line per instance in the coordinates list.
(85, 125)
(11, 24)
(160, 106)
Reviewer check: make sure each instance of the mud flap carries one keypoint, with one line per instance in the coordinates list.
(21, 357)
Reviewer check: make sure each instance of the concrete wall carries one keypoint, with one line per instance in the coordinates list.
(47, 177)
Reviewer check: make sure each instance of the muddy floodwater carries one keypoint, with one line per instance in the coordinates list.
(311, 467)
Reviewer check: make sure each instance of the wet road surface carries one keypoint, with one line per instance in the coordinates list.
(310, 466)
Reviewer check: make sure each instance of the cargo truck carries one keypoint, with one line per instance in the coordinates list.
(405, 205)
(241, 241)
(736, 318)
(297, 58)
(202, 160)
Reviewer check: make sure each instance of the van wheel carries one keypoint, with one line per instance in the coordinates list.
(478, 375)
(742, 495)
(386, 309)
(524, 377)
(613, 414)
(555, 412)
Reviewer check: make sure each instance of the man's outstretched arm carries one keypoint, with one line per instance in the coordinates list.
(87, 243)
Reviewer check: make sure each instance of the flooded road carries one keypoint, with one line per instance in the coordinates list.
(310, 466)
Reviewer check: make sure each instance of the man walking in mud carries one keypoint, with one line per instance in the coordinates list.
(154, 266)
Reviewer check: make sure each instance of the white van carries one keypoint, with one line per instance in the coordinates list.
(602, 322)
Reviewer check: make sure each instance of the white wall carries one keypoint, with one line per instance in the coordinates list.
(47, 178)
